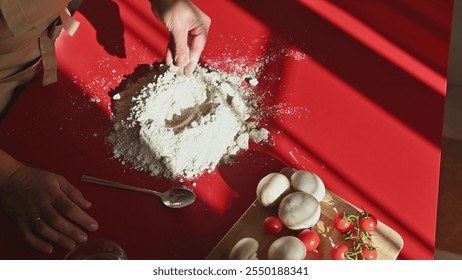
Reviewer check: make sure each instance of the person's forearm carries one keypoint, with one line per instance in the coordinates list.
(8, 165)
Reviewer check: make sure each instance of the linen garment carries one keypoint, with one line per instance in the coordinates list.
(28, 29)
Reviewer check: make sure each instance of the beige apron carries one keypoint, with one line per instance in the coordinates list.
(28, 29)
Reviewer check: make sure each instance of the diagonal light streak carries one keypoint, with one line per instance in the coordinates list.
(372, 39)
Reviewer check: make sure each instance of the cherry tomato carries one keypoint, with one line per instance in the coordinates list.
(272, 224)
(342, 224)
(339, 252)
(368, 254)
(367, 222)
(310, 238)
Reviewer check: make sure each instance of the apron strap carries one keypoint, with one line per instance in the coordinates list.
(69, 24)
(47, 46)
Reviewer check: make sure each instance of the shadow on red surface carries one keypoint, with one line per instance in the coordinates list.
(104, 15)
(421, 108)
(426, 21)
(353, 188)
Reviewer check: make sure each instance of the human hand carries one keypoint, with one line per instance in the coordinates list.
(189, 27)
(46, 208)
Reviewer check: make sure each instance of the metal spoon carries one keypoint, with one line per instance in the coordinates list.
(173, 198)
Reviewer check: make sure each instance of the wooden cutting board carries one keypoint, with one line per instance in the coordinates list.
(387, 241)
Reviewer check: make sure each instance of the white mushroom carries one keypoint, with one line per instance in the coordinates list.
(287, 248)
(288, 171)
(244, 249)
(308, 182)
(299, 210)
(272, 188)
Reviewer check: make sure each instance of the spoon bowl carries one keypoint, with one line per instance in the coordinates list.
(173, 198)
(178, 197)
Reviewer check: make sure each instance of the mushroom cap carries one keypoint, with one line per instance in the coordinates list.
(308, 182)
(244, 249)
(287, 248)
(299, 210)
(272, 188)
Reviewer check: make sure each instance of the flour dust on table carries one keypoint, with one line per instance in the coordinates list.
(179, 126)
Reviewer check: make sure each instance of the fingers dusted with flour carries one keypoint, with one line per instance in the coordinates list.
(189, 28)
(198, 39)
(47, 209)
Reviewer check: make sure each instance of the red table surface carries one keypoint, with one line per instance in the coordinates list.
(369, 94)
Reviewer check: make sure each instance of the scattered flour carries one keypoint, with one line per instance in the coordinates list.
(178, 126)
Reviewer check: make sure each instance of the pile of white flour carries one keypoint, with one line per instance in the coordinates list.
(177, 126)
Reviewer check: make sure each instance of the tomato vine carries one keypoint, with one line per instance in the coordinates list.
(359, 235)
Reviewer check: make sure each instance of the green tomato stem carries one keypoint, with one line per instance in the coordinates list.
(359, 238)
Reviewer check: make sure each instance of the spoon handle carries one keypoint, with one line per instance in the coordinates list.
(99, 181)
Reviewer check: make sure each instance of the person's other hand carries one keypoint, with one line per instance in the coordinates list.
(189, 27)
(46, 208)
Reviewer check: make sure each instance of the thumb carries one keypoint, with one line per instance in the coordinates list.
(180, 49)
